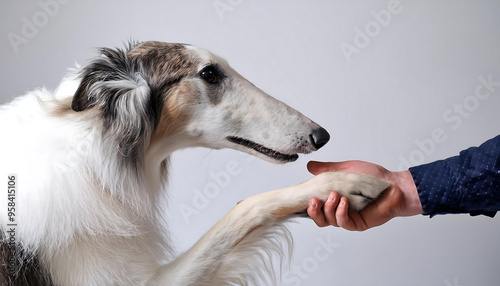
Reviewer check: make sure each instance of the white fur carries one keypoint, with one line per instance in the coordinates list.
(93, 221)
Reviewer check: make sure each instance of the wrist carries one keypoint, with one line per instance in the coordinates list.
(412, 204)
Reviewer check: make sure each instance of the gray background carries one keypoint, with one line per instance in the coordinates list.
(381, 104)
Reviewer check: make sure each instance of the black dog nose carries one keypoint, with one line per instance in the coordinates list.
(319, 137)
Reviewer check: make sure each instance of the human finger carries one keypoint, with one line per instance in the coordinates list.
(315, 213)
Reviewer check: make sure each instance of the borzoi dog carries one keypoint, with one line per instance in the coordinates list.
(85, 168)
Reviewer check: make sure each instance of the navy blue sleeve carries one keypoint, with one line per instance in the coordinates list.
(467, 183)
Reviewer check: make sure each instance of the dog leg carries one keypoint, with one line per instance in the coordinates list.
(259, 214)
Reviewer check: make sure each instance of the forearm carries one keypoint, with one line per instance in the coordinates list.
(467, 183)
(411, 199)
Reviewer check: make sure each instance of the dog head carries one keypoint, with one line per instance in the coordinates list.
(171, 96)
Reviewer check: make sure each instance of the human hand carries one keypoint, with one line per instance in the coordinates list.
(401, 199)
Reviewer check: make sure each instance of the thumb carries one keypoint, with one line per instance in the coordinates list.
(384, 208)
(315, 167)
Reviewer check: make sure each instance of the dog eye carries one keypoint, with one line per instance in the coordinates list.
(210, 75)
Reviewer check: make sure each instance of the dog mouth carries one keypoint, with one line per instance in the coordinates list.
(285, 158)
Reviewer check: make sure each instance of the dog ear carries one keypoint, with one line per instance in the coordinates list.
(80, 100)
(104, 71)
(117, 88)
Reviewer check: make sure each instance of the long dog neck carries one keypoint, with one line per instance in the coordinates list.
(157, 158)
(137, 185)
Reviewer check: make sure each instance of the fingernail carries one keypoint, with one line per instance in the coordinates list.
(313, 205)
(331, 197)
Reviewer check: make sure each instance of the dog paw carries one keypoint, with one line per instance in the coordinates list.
(360, 189)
